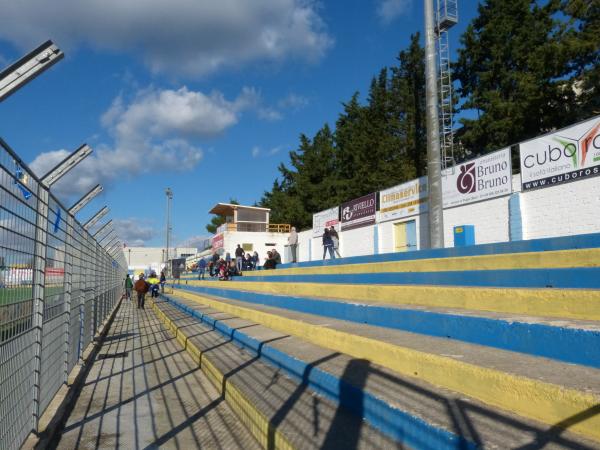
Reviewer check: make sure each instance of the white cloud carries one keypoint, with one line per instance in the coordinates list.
(257, 151)
(153, 132)
(388, 10)
(192, 37)
(134, 232)
(293, 101)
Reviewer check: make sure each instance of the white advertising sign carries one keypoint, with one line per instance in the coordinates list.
(567, 155)
(483, 178)
(404, 200)
(325, 219)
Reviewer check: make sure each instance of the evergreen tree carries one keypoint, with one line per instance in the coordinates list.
(408, 107)
(511, 71)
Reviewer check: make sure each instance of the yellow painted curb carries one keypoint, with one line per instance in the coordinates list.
(583, 304)
(548, 403)
(529, 260)
(255, 421)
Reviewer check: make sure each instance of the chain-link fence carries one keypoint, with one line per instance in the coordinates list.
(57, 286)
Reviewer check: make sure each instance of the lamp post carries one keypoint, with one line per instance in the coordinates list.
(169, 194)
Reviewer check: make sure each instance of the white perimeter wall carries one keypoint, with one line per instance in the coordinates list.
(563, 210)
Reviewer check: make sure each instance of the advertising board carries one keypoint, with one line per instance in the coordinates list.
(359, 212)
(405, 200)
(325, 219)
(566, 155)
(218, 241)
(479, 179)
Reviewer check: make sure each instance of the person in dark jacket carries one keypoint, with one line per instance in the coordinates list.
(276, 256)
(141, 287)
(201, 268)
(163, 281)
(239, 256)
(328, 244)
(335, 237)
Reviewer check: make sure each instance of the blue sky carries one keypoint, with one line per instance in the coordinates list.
(205, 97)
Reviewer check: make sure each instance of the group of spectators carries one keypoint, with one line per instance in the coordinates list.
(144, 285)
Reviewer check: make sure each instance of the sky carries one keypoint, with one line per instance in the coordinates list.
(205, 97)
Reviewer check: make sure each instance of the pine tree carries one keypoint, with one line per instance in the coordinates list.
(511, 71)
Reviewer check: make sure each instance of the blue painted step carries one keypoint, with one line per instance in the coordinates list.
(572, 345)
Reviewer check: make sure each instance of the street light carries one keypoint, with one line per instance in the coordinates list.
(169, 194)
(28, 67)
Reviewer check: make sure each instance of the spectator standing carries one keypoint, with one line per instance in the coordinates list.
(141, 287)
(327, 244)
(239, 255)
(201, 268)
(163, 281)
(293, 243)
(128, 287)
(335, 237)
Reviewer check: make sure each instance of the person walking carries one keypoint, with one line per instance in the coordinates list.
(335, 237)
(327, 244)
(201, 268)
(293, 243)
(128, 287)
(154, 283)
(239, 255)
(141, 287)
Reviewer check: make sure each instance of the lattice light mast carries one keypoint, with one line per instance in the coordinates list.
(446, 18)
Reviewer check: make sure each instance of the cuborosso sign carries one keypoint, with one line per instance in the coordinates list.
(325, 219)
(405, 200)
(359, 212)
(567, 155)
(479, 179)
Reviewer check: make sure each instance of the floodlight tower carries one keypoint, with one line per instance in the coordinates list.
(169, 194)
(446, 18)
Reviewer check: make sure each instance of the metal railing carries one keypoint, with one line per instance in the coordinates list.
(256, 227)
(57, 286)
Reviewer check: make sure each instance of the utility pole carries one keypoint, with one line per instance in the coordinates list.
(169, 194)
(434, 160)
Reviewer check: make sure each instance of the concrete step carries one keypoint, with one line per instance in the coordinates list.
(280, 411)
(551, 338)
(577, 304)
(538, 388)
(571, 277)
(406, 408)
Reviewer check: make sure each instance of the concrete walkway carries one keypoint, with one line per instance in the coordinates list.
(144, 391)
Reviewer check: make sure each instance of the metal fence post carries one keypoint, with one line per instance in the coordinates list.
(68, 289)
(39, 278)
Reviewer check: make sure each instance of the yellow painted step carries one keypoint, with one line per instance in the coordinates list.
(582, 304)
(546, 402)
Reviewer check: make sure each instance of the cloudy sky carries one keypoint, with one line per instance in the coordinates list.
(206, 97)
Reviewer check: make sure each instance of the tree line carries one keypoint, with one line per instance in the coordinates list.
(524, 67)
